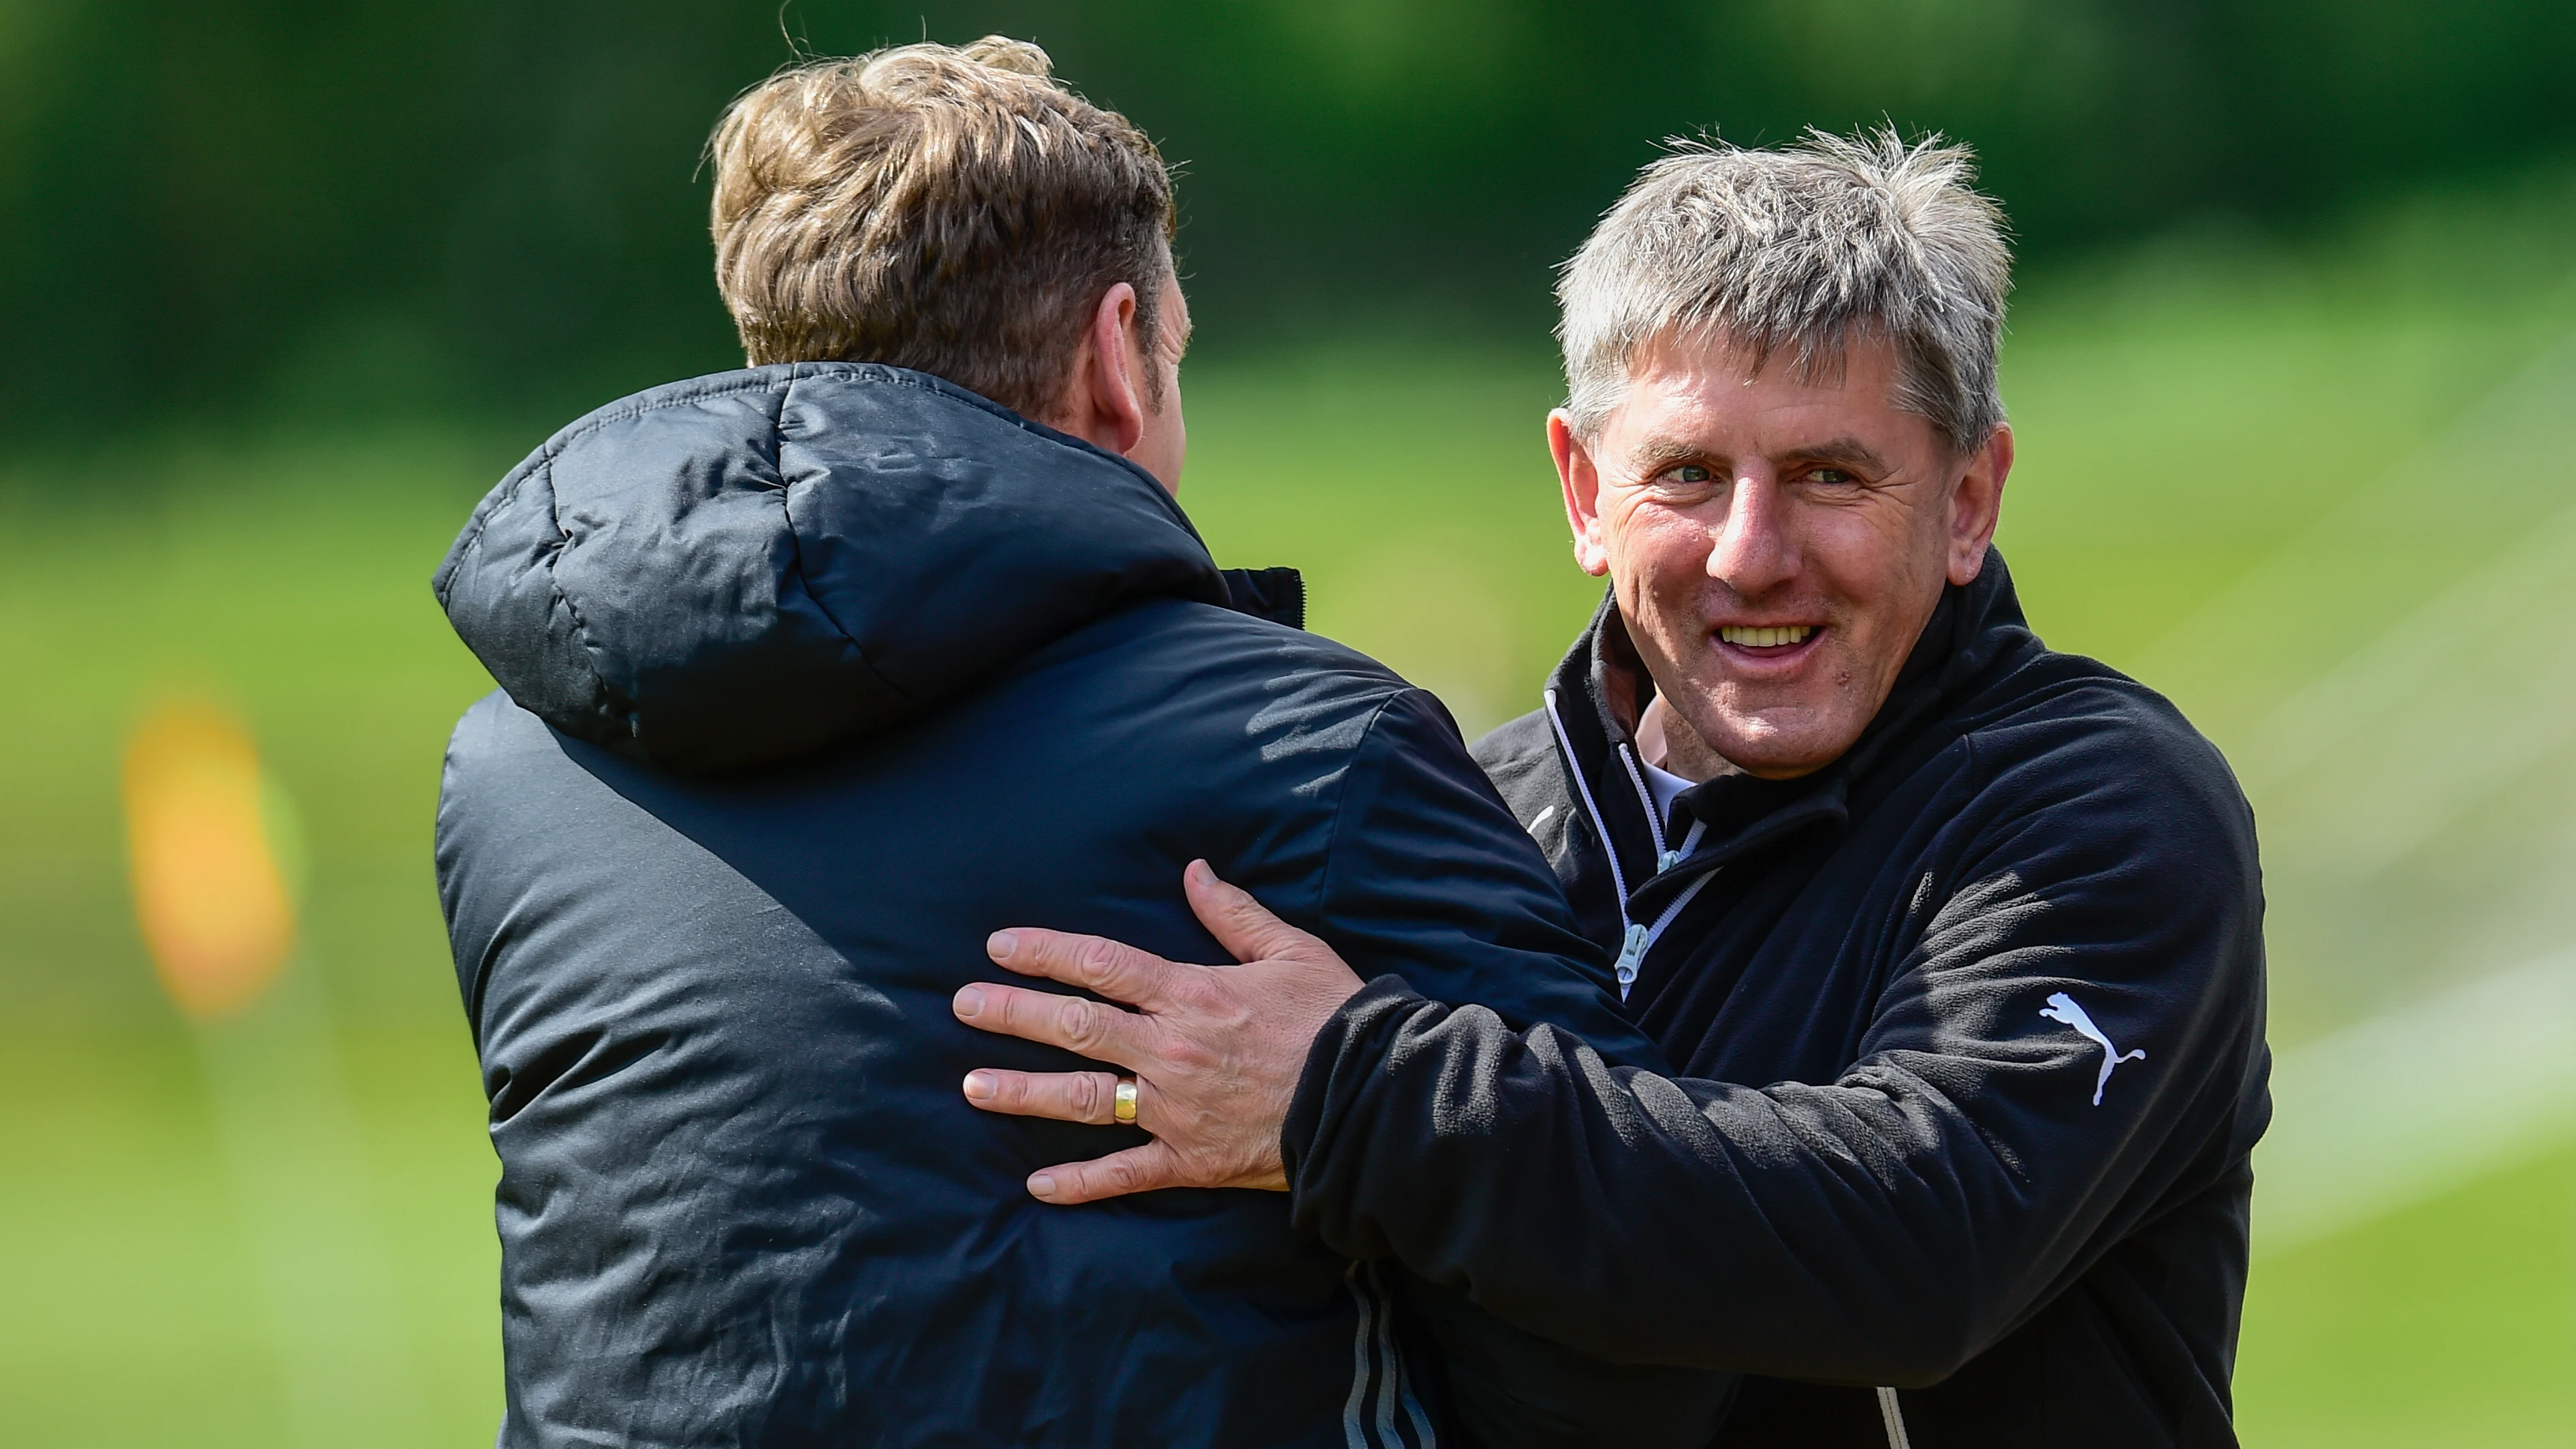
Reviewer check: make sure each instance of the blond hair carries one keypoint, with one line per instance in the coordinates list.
(949, 209)
(1804, 250)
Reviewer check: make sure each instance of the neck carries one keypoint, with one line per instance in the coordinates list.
(1666, 740)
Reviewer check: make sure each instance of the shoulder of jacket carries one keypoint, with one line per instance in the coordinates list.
(1293, 694)
(486, 722)
(2094, 735)
(1520, 758)
(1516, 744)
(1254, 645)
(490, 740)
(2070, 705)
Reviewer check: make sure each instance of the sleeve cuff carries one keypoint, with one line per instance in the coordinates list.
(1345, 1054)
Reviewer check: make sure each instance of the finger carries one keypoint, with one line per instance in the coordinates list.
(1090, 1097)
(1096, 963)
(1240, 924)
(1086, 1028)
(1138, 1169)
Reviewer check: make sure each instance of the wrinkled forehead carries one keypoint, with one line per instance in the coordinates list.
(1864, 381)
(1714, 378)
(1820, 359)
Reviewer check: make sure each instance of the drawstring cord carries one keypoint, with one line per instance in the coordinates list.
(1583, 787)
(1894, 1418)
(1639, 937)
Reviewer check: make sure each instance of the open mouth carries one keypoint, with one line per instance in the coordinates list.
(1774, 641)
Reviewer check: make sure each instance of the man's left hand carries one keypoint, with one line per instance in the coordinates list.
(1216, 1050)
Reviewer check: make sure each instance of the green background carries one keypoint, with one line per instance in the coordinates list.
(284, 287)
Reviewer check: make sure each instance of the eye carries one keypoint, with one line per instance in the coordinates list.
(1686, 473)
(1833, 477)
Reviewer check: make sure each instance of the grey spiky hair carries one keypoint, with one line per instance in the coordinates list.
(1799, 252)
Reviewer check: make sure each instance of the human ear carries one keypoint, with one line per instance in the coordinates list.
(1106, 402)
(1581, 483)
(1976, 505)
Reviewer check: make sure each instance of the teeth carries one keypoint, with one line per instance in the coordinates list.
(1765, 638)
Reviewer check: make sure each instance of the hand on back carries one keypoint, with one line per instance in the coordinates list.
(1217, 1050)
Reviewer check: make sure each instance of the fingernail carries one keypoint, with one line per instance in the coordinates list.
(1042, 1185)
(1000, 945)
(969, 1002)
(1200, 874)
(979, 1086)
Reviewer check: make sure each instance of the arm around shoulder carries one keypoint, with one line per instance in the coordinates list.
(1887, 1224)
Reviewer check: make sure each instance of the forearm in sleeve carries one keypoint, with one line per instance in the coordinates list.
(1868, 1231)
(1879, 1227)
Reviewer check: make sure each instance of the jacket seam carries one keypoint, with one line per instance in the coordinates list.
(796, 543)
(543, 460)
(1341, 790)
(607, 698)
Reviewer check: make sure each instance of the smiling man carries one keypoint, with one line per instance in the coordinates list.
(1954, 942)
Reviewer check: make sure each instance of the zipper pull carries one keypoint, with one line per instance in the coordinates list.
(1667, 861)
(1631, 952)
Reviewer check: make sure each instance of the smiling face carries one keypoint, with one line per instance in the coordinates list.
(1775, 545)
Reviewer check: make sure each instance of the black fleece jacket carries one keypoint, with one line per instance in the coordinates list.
(1896, 1153)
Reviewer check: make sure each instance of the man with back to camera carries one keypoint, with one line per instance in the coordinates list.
(1957, 940)
(812, 670)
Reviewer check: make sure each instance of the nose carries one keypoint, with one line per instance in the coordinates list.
(1751, 551)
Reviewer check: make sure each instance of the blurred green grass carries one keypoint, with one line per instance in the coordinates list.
(2186, 413)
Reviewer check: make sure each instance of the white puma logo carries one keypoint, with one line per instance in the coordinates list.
(2062, 1007)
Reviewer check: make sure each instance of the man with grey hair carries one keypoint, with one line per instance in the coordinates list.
(1953, 943)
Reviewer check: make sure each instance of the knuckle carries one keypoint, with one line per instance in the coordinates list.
(1082, 1096)
(1097, 961)
(1080, 1023)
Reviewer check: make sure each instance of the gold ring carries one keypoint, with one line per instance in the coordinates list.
(1125, 1110)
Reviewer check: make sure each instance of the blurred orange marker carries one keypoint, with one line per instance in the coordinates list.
(208, 889)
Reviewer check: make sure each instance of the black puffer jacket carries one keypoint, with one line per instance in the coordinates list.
(1901, 1153)
(813, 677)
